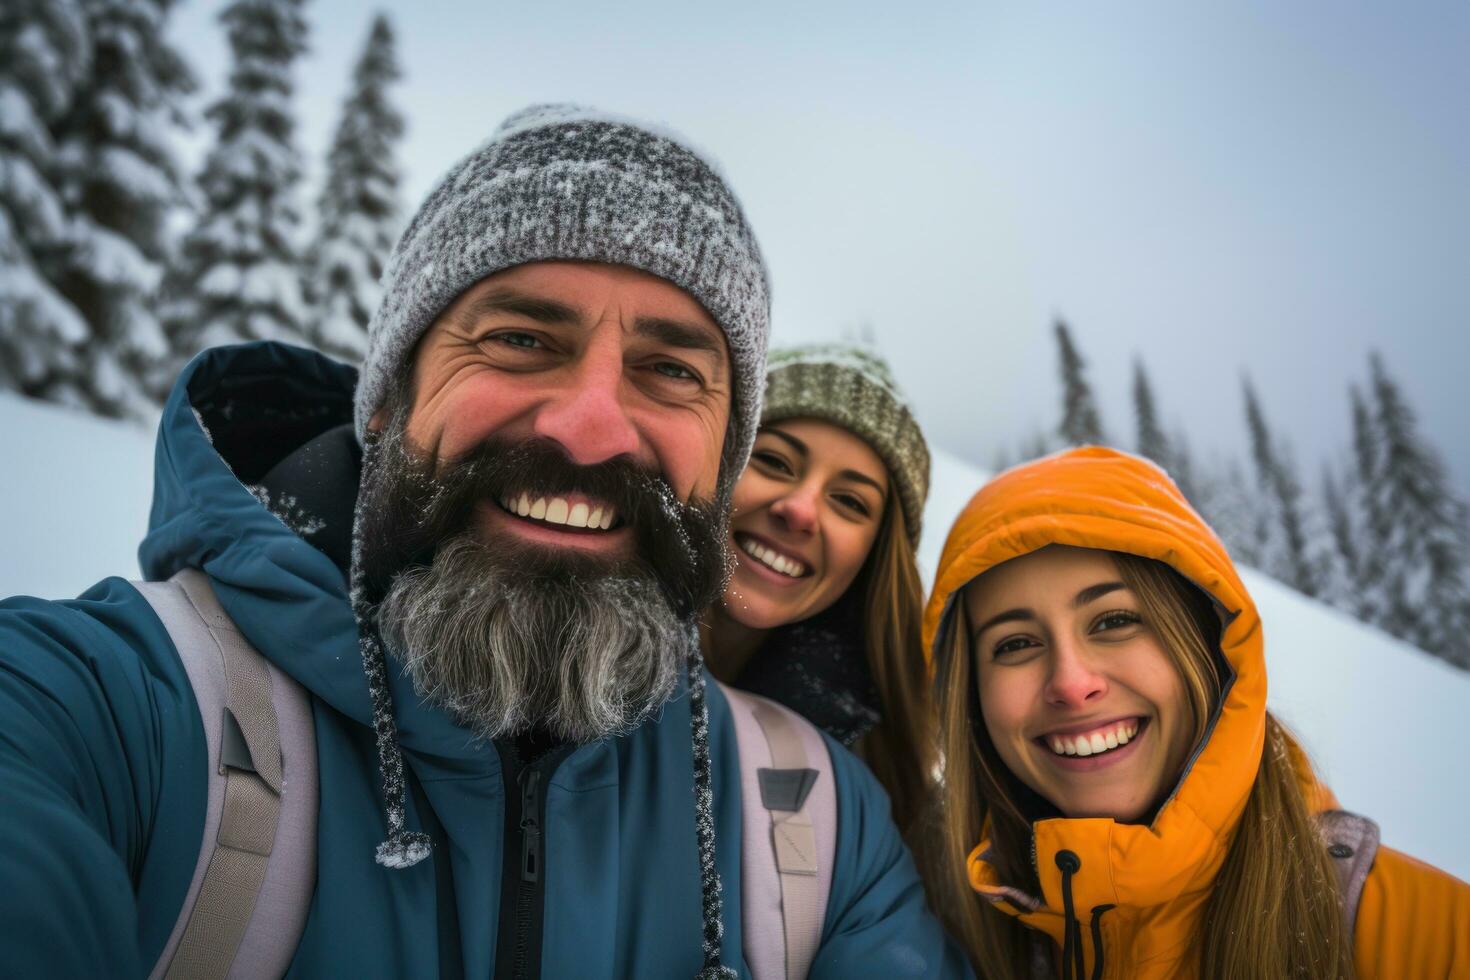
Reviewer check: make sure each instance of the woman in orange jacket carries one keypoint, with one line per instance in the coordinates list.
(1117, 801)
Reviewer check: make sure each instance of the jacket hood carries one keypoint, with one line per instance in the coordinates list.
(233, 414)
(1104, 499)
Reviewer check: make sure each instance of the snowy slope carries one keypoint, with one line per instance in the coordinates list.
(1378, 716)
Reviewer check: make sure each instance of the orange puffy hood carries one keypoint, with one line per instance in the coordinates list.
(1156, 876)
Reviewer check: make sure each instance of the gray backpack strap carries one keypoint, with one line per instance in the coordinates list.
(247, 904)
(789, 810)
(1352, 842)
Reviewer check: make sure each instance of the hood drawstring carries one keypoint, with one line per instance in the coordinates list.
(1072, 965)
(402, 848)
(1073, 957)
(704, 820)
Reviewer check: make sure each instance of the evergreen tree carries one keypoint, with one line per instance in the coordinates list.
(1343, 570)
(1373, 522)
(1289, 553)
(358, 208)
(1081, 423)
(238, 274)
(121, 178)
(1426, 597)
(1229, 506)
(1152, 443)
(44, 47)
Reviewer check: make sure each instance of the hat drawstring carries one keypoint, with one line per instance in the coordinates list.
(704, 821)
(402, 848)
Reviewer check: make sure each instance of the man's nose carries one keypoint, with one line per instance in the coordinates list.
(1074, 680)
(797, 509)
(588, 416)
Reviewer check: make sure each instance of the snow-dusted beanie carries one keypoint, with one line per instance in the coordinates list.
(572, 183)
(852, 386)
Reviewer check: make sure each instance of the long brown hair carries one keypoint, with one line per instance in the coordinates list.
(900, 749)
(1275, 910)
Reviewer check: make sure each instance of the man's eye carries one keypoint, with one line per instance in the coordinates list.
(515, 338)
(679, 372)
(1116, 620)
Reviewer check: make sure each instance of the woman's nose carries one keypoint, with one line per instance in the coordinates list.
(797, 509)
(1074, 680)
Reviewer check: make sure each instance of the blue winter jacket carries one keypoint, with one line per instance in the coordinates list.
(103, 767)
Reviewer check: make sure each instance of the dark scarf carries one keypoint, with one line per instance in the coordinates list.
(819, 668)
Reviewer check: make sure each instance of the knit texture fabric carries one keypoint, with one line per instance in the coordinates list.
(566, 182)
(852, 387)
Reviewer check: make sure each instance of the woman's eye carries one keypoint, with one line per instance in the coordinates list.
(852, 503)
(1014, 644)
(1118, 619)
(770, 460)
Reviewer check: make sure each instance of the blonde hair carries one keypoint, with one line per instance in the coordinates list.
(1275, 910)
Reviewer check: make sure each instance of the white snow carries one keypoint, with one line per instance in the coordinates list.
(1379, 717)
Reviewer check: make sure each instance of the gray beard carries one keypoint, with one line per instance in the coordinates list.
(504, 649)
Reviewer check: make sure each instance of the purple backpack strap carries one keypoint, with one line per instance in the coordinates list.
(789, 839)
(1352, 842)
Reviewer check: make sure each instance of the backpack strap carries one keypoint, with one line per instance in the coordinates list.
(247, 903)
(1352, 842)
(789, 839)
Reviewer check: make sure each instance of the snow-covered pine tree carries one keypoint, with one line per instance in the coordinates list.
(1081, 423)
(1427, 545)
(1372, 522)
(44, 47)
(119, 173)
(1152, 443)
(358, 208)
(1227, 503)
(1289, 555)
(238, 276)
(1343, 568)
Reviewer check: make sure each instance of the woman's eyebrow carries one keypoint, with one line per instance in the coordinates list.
(1094, 592)
(863, 478)
(796, 443)
(1009, 616)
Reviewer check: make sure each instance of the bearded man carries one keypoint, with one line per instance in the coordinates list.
(510, 521)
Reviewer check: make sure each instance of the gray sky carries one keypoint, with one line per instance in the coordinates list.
(1267, 187)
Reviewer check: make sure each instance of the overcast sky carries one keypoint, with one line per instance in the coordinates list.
(1276, 188)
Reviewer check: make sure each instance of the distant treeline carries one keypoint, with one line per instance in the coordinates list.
(1383, 537)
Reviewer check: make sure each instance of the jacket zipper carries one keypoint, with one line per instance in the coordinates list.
(525, 864)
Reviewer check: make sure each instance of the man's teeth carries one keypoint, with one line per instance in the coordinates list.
(1094, 743)
(557, 510)
(772, 559)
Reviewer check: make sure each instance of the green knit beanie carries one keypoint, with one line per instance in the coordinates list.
(852, 387)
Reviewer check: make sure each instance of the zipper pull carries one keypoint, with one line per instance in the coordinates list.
(530, 825)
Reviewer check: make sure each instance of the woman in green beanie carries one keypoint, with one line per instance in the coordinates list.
(823, 608)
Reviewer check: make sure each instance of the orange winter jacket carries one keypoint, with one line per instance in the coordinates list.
(1413, 920)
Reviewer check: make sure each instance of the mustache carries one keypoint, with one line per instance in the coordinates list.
(420, 506)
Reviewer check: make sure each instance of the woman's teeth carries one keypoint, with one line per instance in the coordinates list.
(772, 559)
(1095, 742)
(557, 510)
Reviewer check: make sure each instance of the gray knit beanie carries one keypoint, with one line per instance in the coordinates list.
(852, 387)
(572, 183)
